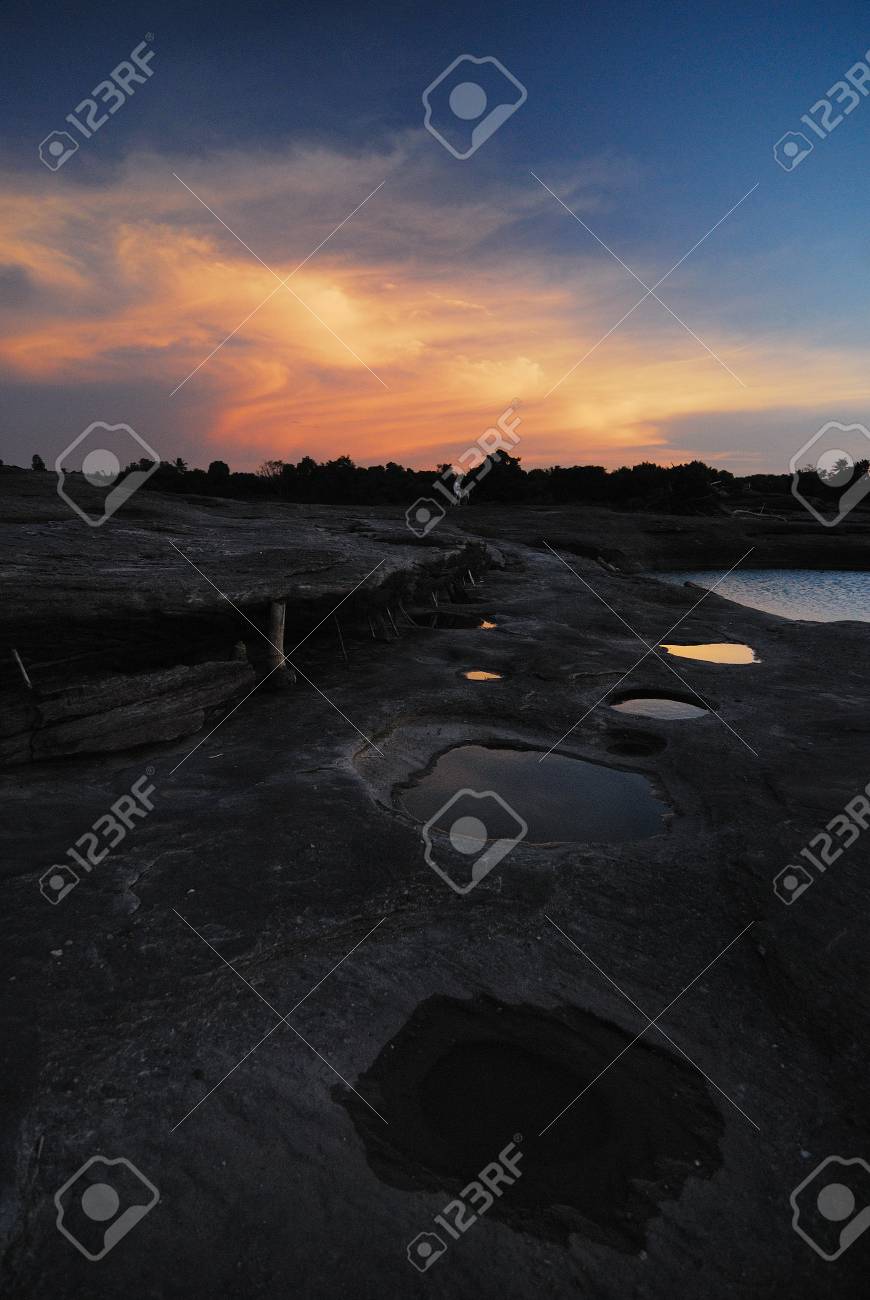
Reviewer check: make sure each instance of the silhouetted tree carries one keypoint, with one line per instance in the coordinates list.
(218, 472)
(37, 463)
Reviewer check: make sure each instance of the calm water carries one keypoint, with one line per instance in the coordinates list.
(715, 652)
(820, 595)
(661, 707)
(561, 799)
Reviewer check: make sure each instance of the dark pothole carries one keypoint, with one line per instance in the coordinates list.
(462, 1079)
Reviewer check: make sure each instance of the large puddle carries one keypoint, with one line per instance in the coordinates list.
(715, 652)
(820, 595)
(462, 1079)
(561, 799)
(663, 707)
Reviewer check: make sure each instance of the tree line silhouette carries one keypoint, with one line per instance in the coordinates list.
(690, 488)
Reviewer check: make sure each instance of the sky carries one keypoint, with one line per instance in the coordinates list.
(262, 252)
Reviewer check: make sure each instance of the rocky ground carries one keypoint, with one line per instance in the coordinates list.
(269, 938)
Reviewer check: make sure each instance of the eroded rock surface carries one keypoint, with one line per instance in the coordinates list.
(279, 840)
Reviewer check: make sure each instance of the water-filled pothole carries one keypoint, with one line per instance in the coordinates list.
(462, 1078)
(665, 708)
(715, 652)
(481, 675)
(561, 799)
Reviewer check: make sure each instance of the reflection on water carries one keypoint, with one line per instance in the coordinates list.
(561, 799)
(655, 706)
(820, 595)
(486, 624)
(478, 675)
(716, 652)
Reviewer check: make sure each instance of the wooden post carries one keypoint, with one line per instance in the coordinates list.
(276, 667)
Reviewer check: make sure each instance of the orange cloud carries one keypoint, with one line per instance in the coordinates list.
(399, 339)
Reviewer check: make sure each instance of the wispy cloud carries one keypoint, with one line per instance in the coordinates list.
(461, 299)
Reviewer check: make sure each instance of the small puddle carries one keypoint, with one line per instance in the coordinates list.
(478, 675)
(662, 707)
(563, 800)
(487, 625)
(716, 652)
(461, 1079)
